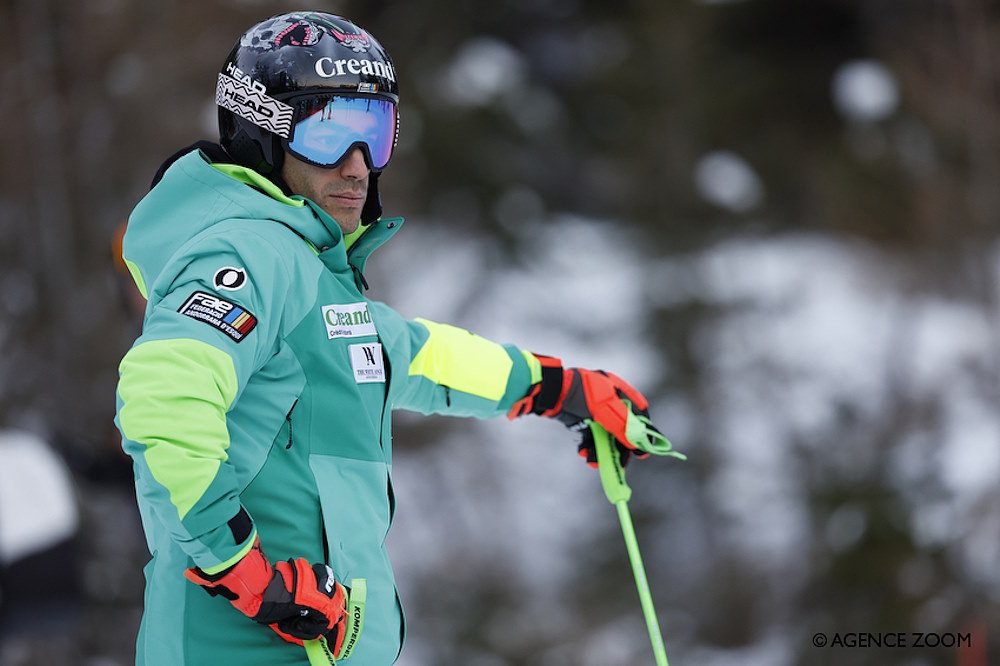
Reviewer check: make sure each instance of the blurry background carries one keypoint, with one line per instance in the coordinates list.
(779, 219)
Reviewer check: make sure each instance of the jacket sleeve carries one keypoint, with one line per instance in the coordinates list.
(442, 369)
(179, 380)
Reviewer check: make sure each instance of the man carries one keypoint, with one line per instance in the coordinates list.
(256, 403)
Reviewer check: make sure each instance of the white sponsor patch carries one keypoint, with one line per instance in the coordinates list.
(367, 361)
(348, 320)
(257, 107)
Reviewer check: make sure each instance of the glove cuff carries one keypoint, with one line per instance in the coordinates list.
(243, 583)
(550, 394)
(545, 395)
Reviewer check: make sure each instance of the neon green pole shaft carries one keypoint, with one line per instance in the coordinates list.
(618, 493)
(645, 597)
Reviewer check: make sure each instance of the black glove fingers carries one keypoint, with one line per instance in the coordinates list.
(311, 624)
(624, 453)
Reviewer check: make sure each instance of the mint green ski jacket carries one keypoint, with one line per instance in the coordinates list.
(257, 401)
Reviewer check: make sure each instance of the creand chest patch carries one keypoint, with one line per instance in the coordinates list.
(348, 320)
(228, 317)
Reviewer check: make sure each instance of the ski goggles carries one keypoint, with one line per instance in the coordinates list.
(329, 126)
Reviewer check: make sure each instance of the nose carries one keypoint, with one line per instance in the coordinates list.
(354, 165)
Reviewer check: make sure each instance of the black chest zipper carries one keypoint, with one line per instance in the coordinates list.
(288, 417)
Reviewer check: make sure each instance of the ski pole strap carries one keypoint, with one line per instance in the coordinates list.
(355, 616)
(318, 650)
(643, 434)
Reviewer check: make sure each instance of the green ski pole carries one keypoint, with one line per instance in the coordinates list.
(618, 493)
(319, 653)
(318, 650)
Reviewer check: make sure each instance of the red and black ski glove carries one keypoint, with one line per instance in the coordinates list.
(297, 600)
(575, 397)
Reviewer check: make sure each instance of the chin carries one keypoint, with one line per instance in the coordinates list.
(348, 228)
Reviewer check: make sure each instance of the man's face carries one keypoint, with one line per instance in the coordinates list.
(340, 191)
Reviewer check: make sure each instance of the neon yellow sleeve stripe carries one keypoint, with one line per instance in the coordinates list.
(534, 365)
(175, 396)
(211, 571)
(136, 277)
(463, 361)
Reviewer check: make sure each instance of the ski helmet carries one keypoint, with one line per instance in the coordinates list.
(314, 84)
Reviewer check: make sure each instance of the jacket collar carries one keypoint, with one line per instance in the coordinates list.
(356, 253)
(380, 231)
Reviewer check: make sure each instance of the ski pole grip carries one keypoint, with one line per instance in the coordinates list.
(610, 467)
(318, 650)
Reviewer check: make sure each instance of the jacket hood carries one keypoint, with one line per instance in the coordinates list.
(191, 195)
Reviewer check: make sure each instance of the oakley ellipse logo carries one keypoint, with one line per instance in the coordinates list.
(229, 278)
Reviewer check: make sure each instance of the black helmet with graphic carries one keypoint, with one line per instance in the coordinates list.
(313, 84)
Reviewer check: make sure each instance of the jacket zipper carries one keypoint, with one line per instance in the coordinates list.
(288, 417)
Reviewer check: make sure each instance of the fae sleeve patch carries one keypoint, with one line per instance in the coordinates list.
(219, 313)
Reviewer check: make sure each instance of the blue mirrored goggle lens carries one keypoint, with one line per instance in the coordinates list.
(330, 126)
